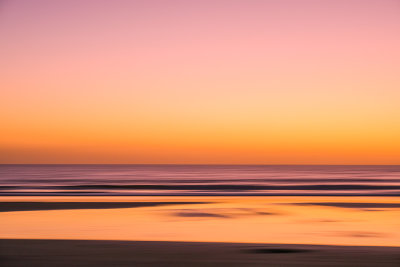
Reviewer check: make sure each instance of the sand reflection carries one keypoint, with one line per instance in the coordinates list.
(213, 219)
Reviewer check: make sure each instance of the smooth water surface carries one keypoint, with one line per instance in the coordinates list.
(371, 221)
(198, 180)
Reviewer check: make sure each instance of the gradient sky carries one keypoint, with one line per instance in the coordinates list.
(207, 81)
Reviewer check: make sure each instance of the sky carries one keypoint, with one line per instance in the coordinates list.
(200, 82)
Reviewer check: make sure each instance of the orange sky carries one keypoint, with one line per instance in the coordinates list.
(172, 81)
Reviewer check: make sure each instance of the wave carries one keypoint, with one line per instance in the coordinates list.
(199, 180)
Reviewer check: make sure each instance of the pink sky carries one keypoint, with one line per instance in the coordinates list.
(168, 81)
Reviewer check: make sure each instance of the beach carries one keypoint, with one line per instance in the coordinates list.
(199, 216)
(199, 231)
(350, 221)
(61, 253)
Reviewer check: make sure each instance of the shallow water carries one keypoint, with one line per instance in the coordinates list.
(199, 180)
(372, 221)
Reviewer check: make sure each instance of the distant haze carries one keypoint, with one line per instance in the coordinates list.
(206, 81)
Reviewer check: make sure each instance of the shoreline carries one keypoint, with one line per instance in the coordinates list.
(12, 206)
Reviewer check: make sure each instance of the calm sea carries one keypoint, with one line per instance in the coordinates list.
(198, 180)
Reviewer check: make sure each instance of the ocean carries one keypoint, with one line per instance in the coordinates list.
(199, 180)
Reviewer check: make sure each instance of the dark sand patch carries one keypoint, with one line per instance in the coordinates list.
(63, 253)
(361, 234)
(220, 213)
(199, 214)
(32, 206)
(352, 205)
(277, 250)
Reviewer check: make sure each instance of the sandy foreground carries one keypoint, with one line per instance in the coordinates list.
(19, 252)
(38, 217)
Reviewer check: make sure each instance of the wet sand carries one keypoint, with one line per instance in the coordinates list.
(34, 206)
(339, 221)
(14, 252)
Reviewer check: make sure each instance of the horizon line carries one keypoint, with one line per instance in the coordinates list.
(201, 164)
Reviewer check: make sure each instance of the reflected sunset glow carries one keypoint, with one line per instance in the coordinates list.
(224, 219)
